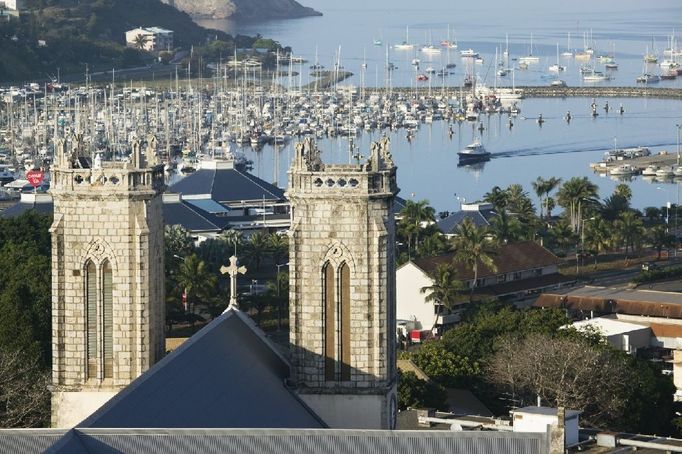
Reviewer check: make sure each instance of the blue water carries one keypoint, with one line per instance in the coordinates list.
(428, 164)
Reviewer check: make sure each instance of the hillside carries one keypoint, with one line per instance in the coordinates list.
(80, 32)
(245, 10)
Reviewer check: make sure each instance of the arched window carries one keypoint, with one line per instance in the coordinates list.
(108, 319)
(344, 311)
(91, 316)
(329, 304)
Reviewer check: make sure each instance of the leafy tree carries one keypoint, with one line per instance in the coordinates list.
(445, 367)
(472, 247)
(24, 394)
(609, 387)
(414, 392)
(653, 214)
(178, 243)
(574, 195)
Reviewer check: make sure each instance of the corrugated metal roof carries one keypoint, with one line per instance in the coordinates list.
(29, 441)
(612, 301)
(309, 442)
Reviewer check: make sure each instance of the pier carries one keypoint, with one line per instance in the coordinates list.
(663, 159)
(557, 92)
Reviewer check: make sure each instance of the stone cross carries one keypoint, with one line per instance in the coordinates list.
(233, 270)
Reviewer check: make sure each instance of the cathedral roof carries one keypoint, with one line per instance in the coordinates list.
(227, 185)
(228, 375)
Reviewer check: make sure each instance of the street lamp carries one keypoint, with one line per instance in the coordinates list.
(582, 244)
(678, 143)
(667, 207)
(279, 302)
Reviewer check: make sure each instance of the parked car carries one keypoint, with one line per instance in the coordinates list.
(649, 266)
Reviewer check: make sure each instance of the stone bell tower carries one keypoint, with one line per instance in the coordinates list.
(107, 276)
(342, 287)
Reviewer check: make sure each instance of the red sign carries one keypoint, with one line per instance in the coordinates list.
(35, 177)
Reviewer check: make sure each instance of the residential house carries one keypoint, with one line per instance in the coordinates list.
(156, 39)
(481, 214)
(522, 269)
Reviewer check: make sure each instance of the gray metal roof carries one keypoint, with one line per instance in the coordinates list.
(479, 218)
(216, 441)
(191, 217)
(228, 375)
(29, 441)
(227, 185)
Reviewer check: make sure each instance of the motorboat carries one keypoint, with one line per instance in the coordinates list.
(557, 68)
(665, 172)
(677, 171)
(474, 152)
(431, 49)
(647, 78)
(595, 76)
(557, 83)
(469, 53)
(422, 77)
(623, 169)
(650, 171)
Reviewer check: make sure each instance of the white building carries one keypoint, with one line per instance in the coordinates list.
(539, 419)
(156, 39)
(522, 269)
(15, 5)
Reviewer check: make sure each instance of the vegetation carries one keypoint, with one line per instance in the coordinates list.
(77, 33)
(414, 392)
(508, 357)
(25, 325)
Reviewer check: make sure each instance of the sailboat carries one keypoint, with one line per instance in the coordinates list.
(557, 67)
(651, 57)
(568, 53)
(405, 45)
(447, 43)
(612, 65)
(530, 58)
(587, 51)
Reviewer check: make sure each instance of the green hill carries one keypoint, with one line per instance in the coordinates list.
(80, 32)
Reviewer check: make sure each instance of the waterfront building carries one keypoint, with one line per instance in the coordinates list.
(155, 38)
(14, 5)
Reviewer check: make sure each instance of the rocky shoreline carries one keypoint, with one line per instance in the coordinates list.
(244, 10)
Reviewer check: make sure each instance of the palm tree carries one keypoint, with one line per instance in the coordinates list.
(141, 41)
(279, 247)
(540, 188)
(232, 237)
(257, 249)
(660, 239)
(432, 245)
(563, 234)
(412, 217)
(506, 228)
(196, 281)
(446, 289)
(497, 197)
(575, 193)
(598, 236)
(472, 247)
(624, 191)
(630, 229)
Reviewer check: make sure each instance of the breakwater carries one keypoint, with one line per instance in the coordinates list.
(559, 92)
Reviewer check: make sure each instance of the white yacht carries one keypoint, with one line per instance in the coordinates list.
(469, 53)
(474, 152)
(623, 169)
(650, 171)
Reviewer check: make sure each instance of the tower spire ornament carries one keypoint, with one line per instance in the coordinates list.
(233, 270)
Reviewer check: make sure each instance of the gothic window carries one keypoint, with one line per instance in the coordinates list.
(91, 315)
(107, 319)
(329, 321)
(344, 310)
